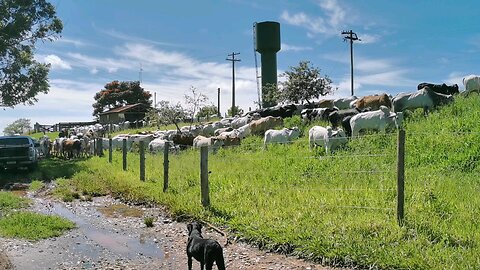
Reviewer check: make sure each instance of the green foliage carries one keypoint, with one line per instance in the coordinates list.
(35, 185)
(236, 111)
(22, 24)
(33, 226)
(194, 102)
(304, 83)
(9, 201)
(117, 94)
(207, 111)
(19, 126)
(270, 95)
(169, 114)
(338, 209)
(148, 221)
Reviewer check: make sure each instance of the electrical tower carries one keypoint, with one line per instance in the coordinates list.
(352, 37)
(233, 60)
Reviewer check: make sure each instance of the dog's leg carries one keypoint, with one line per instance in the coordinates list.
(189, 263)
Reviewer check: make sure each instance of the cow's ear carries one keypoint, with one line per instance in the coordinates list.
(189, 228)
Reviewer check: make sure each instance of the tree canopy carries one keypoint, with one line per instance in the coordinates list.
(19, 126)
(194, 101)
(167, 113)
(22, 24)
(304, 83)
(117, 94)
(207, 111)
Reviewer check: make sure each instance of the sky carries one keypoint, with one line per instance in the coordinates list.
(172, 46)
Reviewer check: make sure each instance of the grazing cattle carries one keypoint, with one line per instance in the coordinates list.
(377, 120)
(158, 145)
(211, 142)
(71, 148)
(424, 98)
(241, 121)
(325, 103)
(284, 135)
(228, 141)
(58, 146)
(327, 137)
(472, 84)
(183, 139)
(440, 88)
(258, 127)
(344, 103)
(336, 117)
(374, 102)
(45, 146)
(346, 125)
(316, 114)
(221, 130)
(277, 111)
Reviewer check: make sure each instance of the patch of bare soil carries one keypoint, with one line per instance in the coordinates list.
(4, 262)
(112, 235)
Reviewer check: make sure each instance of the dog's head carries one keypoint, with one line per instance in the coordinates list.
(194, 226)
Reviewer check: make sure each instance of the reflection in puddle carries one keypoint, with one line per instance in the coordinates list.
(123, 245)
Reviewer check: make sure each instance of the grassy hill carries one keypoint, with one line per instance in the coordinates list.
(337, 209)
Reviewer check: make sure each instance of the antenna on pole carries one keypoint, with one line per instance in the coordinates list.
(233, 60)
(140, 74)
(350, 35)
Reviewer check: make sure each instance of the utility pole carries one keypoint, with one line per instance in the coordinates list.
(352, 37)
(140, 74)
(218, 108)
(233, 60)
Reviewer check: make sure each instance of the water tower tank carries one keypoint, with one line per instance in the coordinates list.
(267, 37)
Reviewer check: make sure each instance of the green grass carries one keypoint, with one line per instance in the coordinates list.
(338, 209)
(17, 223)
(33, 226)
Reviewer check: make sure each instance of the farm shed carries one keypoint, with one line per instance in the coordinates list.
(130, 112)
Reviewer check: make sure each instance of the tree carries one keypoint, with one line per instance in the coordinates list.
(117, 94)
(207, 111)
(22, 24)
(19, 126)
(169, 114)
(304, 83)
(236, 111)
(270, 95)
(194, 102)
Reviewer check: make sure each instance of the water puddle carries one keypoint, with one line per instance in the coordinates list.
(120, 210)
(125, 246)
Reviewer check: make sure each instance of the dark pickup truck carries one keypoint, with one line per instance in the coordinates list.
(18, 151)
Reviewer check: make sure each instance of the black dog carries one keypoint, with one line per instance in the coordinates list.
(206, 251)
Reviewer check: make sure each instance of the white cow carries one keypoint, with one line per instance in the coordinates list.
(211, 142)
(378, 120)
(424, 98)
(158, 145)
(284, 135)
(344, 103)
(327, 137)
(472, 84)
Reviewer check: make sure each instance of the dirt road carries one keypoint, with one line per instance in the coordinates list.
(112, 235)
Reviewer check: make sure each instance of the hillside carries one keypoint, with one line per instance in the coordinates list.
(337, 209)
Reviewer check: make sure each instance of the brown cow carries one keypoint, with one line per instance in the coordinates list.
(71, 148)
(325, 103)
(261, 125)
(183, 140)
(228, 141)
(374, 102)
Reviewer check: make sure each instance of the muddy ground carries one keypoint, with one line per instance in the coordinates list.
(112, 235)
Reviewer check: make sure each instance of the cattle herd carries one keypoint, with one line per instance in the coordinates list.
(347, 118)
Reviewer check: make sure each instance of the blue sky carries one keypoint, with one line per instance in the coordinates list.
(180, 44)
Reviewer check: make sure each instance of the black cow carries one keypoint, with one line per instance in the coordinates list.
(346, 125)
(317, 113)
(278, 111)
(336, 117)
(440, 88)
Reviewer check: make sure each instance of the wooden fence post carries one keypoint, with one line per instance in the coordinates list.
(99, 147)
(165, 166)
(204, 176)
(110, 149)
(142, 161)
(124, 154)
(400, 176)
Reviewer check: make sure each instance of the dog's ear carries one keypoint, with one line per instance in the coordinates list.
(189, 228)
(200, 226)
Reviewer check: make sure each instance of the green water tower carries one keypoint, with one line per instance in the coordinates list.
(267, 43)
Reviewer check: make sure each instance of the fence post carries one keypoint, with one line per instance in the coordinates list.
(165, 166)
(400, 176)
(204, 176)
(99, 147)
(142, 161)
(124, 154)
(110, 149)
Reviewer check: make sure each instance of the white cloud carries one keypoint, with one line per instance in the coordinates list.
(55, 61)
(76, 43)
(109, 64)
(368, 38)
(287, 47)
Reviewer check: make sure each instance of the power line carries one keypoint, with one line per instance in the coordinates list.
(350, 35)
(233, 60)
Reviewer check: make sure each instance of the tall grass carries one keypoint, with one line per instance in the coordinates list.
(337, 209)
